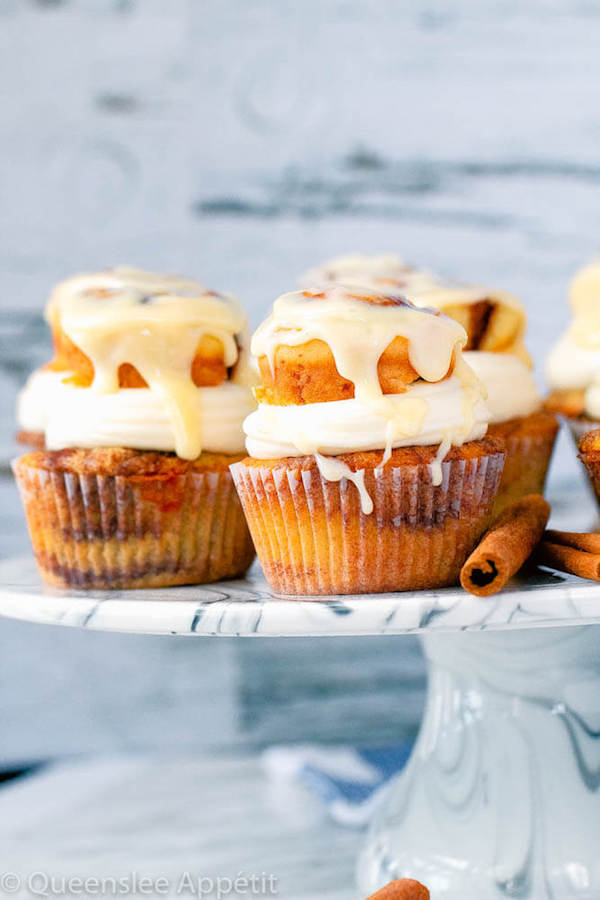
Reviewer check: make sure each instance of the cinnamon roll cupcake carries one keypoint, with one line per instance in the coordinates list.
(495, 323)
(368, 466)
(140, 413)
(573, 366)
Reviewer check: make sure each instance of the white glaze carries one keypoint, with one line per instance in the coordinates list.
(358, 332)
(154, 322)
(427, 290)
(333, 469)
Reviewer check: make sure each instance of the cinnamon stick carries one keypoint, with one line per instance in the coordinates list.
(587, 541)
(569, 559)
(506, 546)
(402, 889)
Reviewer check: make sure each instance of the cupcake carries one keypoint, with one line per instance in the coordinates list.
(589, 454)
(368, 466)
(573, 366)
(495, 323)
(139, 415)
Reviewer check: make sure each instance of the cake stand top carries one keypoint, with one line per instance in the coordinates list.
(248, 607)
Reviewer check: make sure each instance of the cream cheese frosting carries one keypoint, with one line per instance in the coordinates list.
(154, 323)
(38, 399)
(574, 362)
(511, 391)
(345, 426)
(130, 417)
(435, 410)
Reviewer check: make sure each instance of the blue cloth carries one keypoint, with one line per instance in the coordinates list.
(349, 781)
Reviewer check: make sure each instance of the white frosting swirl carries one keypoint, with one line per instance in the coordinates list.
(72, 416)
(509, 383)
(39, 398)
(345, 426)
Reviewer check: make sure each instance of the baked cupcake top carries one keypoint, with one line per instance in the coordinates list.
(145, 361)
(573, 366)
(346, 369)
(495, 323)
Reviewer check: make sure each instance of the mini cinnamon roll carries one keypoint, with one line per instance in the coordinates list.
(494, 320)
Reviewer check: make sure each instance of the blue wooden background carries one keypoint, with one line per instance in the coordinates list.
(242, 143)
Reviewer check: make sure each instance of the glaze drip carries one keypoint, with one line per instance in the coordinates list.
(358, 327)
(154, 323)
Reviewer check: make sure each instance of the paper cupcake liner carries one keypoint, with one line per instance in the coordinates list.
(592, 468)
(579, 427)
(525, 468)
(108, 531)
(590, 460)
(312, 537)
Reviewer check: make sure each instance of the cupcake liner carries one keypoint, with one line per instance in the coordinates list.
(109, 531)
(525, 468)
(312, 537)
(579, 427)
(588, 454)
(592, 468)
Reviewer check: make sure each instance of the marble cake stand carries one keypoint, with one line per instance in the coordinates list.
(501, 796)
